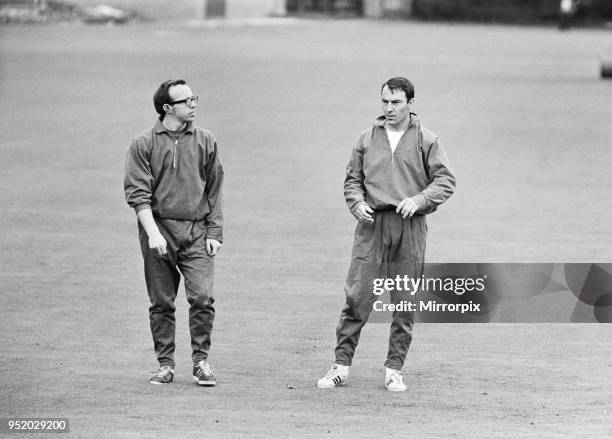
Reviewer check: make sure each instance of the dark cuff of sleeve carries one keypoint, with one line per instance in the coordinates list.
(421, 201)
(353, 207)
(215, 233)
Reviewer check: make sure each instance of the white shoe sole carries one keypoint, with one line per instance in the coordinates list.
(396, 389)
(329, 386)
(204, 383)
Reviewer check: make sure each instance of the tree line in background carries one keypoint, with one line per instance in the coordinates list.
(521, 11)
(330, 7)
(511, 11)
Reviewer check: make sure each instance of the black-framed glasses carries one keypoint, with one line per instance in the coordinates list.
(187, 101)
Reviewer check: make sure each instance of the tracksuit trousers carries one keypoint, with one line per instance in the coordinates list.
(186, 254)
(389, 247)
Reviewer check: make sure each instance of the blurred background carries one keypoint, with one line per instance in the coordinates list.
(584, 12)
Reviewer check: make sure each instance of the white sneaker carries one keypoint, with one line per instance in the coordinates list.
(394, 381)
(336, 376)
(203, 375)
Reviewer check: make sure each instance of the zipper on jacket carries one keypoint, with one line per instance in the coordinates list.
(174, 154)
(176, 141)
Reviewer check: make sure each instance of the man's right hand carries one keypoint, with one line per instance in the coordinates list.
(363, 212)
(157, 243)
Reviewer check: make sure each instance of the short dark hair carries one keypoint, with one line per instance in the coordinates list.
(162, 95)
(400, 83)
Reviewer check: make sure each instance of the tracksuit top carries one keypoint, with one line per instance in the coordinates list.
(418, 168)
(177, 179)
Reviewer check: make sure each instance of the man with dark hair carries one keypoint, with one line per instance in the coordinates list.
(397, 174)
(173, 180)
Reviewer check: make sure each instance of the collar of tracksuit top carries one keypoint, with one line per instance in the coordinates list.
(160, 128)
(381, 121)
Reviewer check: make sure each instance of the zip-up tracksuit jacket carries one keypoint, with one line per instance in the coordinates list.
(392, 245)
(181, 181)
(418, 168)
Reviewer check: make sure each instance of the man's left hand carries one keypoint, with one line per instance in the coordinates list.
(407, 207)
(213, 246)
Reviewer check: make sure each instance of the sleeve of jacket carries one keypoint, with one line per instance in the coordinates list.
(441, 179)
(138, 181)
(214, 193)
(354, 182)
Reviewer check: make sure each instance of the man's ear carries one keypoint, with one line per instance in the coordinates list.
(167, 108)
(411, 102)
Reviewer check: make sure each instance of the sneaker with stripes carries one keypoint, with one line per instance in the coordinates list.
(203, 375)
(336, 376)
(394, 381)
(164, 375)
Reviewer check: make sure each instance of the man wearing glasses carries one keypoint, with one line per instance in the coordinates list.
(173, 180)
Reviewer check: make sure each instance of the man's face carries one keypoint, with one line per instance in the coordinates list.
(395, 107)
(183, 112)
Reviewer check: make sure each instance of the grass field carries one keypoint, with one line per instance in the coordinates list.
(526, 123)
